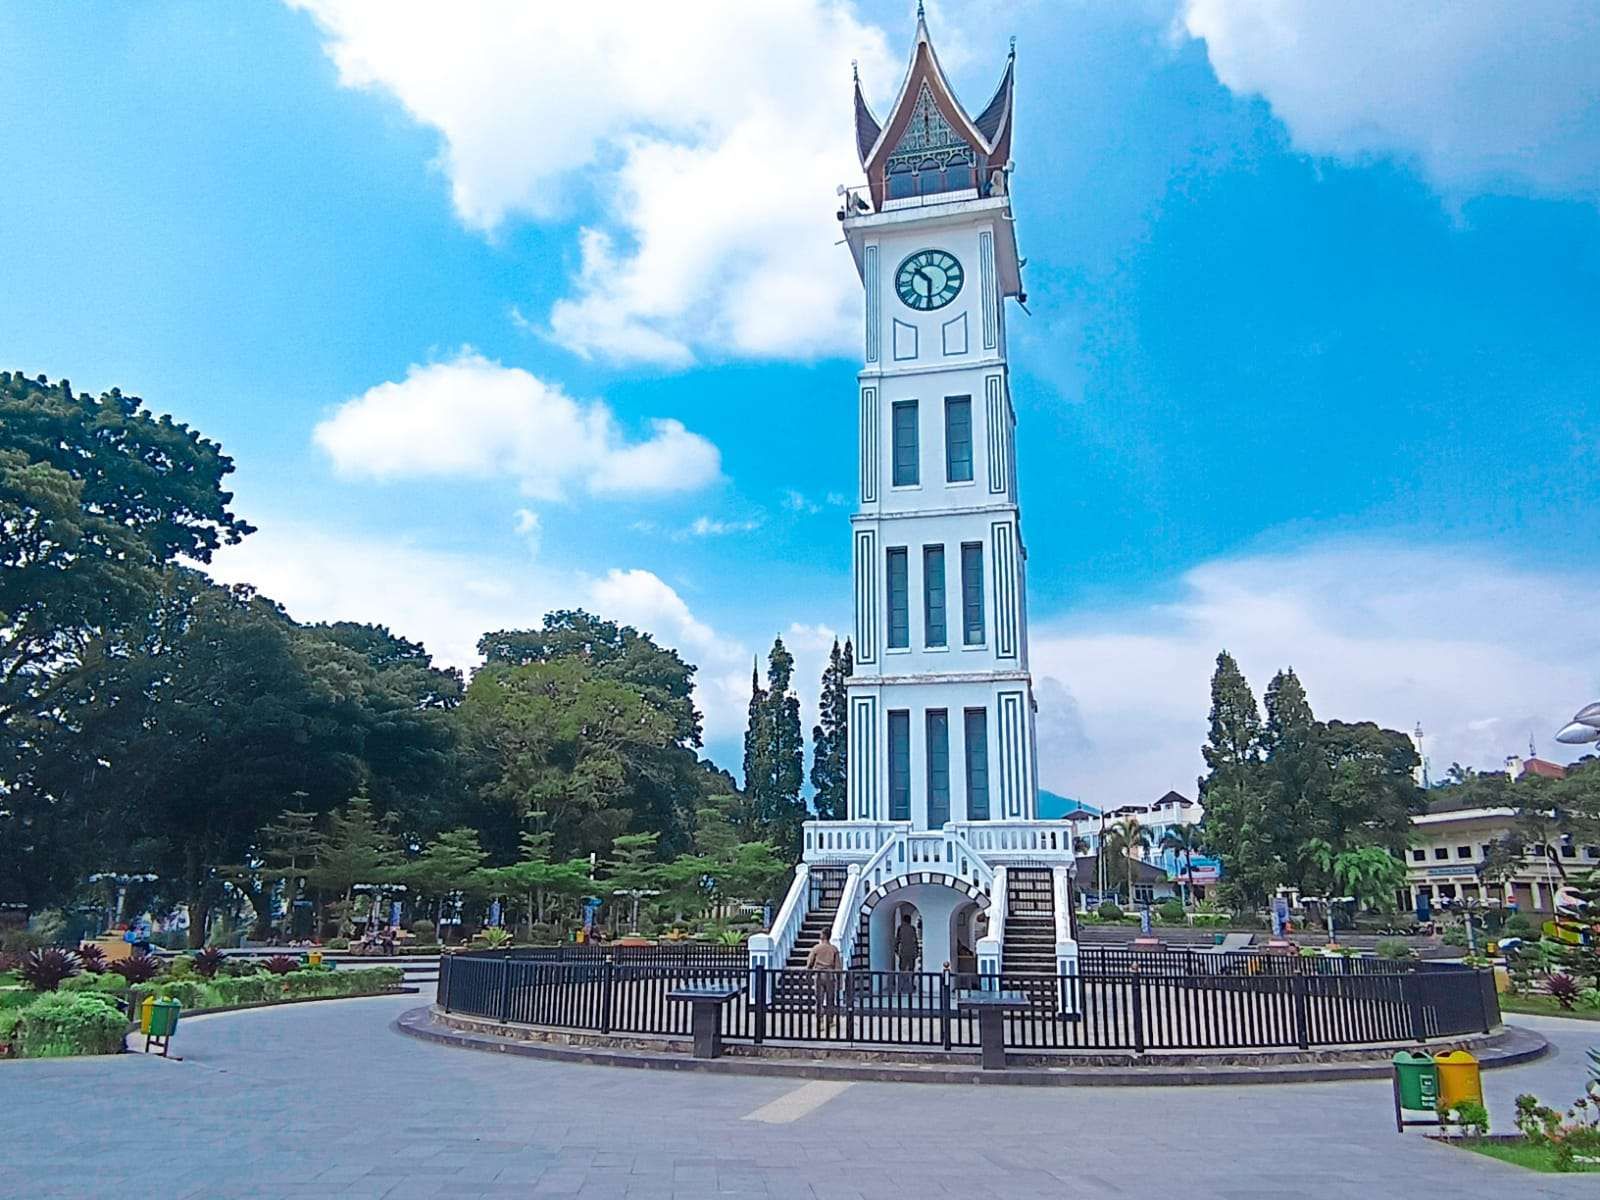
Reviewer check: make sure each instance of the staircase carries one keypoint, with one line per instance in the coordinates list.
(1030, 933)
(827, 883)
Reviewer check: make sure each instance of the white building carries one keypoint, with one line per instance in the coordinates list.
(942, 823)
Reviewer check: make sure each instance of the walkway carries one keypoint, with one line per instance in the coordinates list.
(325, 1100)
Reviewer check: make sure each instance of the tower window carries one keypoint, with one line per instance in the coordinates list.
(938, 768)
(906, 470)
(958, 439)
(972, 593)
(976, 738)
(899, 766)
(933, 622)
(899, 600)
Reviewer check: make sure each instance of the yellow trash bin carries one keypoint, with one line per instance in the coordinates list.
(146, 1010)
(313, 958)
(1458, 1078)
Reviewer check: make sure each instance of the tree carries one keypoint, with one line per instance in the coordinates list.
(1295, 773)
(830, 738)
(1582, 961)
(536, 879)
(632, 871)
(555, 738)
(1372, 875)
(97, 498)
(447, 865)
(1125, 839)
(1185, 841)
(774, 755)
(1234, 792)
(358, 850)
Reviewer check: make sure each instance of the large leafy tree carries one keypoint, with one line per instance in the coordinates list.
(97, 497)
(559, 739)
(1295, 773)
(830, 738)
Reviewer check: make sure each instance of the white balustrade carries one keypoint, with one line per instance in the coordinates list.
(1066, 944)
(771, 949)
(991, 945)
(1018, 842)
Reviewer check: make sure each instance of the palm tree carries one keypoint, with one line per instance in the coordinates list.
(1185, 841)
(1126, 838)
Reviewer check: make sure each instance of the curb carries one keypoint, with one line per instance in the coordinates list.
(1519, 1046)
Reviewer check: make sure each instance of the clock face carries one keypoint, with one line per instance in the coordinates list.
(929, 279)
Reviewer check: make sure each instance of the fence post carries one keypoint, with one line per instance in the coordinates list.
(606, 992)
(944, 1008)
(1485, 991)
(1299, 985)
(758, 983)
(1137, 999)
(1413, 1002)
(442, 994)
(505, 990)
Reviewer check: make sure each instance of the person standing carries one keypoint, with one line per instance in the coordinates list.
(906, 951)
(824, 963)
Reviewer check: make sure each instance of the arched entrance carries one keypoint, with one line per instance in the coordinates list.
(945, 912)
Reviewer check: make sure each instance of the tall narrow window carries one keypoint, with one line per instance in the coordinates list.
(971, 594)
(977, 749)
(899, 766)
(899, 601)
(906, 469)
(938, 768)
(958, 439)
(933, 623)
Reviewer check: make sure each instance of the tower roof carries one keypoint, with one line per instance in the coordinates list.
(926, 101)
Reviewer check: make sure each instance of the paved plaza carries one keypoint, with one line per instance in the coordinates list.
(326, 1100)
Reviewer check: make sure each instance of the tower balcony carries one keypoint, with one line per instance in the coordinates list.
(993, 843)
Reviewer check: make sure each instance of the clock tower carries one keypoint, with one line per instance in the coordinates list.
(942, 836)
(941, 704)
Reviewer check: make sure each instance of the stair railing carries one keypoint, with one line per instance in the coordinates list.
(1066, 944)
(991, 944)
(770, 950)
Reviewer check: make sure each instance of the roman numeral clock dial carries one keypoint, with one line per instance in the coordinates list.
(928, 279)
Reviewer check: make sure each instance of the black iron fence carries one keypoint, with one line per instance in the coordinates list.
(1134, 1010)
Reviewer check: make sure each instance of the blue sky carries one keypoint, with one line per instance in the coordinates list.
(501, 309)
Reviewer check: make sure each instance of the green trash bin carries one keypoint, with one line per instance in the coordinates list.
(163, 1018)
(1416, 1081)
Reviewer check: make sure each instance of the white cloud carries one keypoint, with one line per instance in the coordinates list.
(529, 528)
(1484, 96)
(1480, 651)
(710, 137)
(474, 417)
(799, 502)
(711, 527)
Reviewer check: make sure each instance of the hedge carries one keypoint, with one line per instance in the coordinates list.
(59, 1024)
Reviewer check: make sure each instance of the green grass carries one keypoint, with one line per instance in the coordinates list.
(1545, 1006)
(1522, 1154)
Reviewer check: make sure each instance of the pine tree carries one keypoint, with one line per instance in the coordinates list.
(1237, 823)
(830, 738)
(757, 758)
(1296, 775)
(774, 756)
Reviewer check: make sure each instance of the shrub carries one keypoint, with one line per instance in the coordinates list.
(44, 969)
(20, 941)
(141, 968)
(493, 938)
(1210, 920)
(424, 929)
(1589, 998)
(1471, 1117)
(1564, 988)
(238, 967)
(338, 943)
(208, 962)
(92, 958)
(190, 993)
(1109, 910)
(111, 983)
(71, 1023)
(1171, 911)
(281, 964)
(1394, 948)
(1455, 935)
(247, 989)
